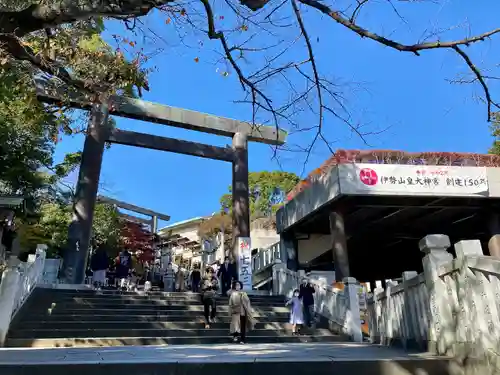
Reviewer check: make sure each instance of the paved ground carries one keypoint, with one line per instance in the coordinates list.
(204, 353)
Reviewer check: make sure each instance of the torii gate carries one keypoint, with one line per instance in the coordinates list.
(98, 133)
(154, 216)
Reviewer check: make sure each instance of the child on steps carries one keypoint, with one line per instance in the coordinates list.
(296, 312)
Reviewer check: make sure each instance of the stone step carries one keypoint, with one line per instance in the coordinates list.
(159, 308)
(159, 296)
(126, 311)
(133, 317)
(338, 358)
(148, 301)
(143, 304)
(297, 366)
(133, 324)
(151, 332)
(126, 341)
(114, 293)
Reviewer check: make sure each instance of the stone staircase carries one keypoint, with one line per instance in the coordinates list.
(79, 332)
(70, 318)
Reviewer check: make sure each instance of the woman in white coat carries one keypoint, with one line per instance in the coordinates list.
(241, 313)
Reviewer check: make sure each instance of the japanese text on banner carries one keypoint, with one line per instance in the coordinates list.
(245, 262)
(418, 179)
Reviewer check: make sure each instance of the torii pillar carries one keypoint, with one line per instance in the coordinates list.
(76, 252)
(241, 211)
(75, 258)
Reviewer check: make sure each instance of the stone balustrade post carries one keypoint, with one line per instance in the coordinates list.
(9, 286)
(410, 324)
(376, 320)
(41, 252)
(391, 313)
(353, 316)
(13, 261)
(478, 294)
(278, 279)
(435, 247)
(301, 274)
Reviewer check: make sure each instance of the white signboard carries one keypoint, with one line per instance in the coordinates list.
(412, 179)
(245, 262)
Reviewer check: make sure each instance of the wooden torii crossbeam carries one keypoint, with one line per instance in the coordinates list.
(99, 133)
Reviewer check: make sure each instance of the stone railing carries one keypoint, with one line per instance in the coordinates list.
(16, 286)
(51, 271)
(398, 315)
(266, 257)
(452, 308)
(340, 307)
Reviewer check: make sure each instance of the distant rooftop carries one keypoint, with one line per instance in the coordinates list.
(184, 223)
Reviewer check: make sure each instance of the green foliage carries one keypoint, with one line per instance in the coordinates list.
(80, 49)
(69, 164)
(267, 192)
(30, 130)
(495, 131)
(106, 226)
(26, 134)
(52, 227)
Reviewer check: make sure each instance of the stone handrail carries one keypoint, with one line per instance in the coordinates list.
(340, 307)
(398, 315)
(452, 308)
(266, 257)
(16, 286)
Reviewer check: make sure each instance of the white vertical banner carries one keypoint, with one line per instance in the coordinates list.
(245, 262)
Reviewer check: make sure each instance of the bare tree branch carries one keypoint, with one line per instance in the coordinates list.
(477, 73)
(53, 13)
(414, 48)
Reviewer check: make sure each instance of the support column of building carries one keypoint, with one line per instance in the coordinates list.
(494, 228)
(241, 208)
(289, 251)
(80, 229)
(339, 246)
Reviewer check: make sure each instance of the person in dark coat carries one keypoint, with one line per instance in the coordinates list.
(123, 267)
(226, 274)
(195, 279)
(209, 285)
(99, 263)
(306, 294)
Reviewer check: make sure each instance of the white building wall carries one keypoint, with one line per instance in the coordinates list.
(262, 238)
(316, 245)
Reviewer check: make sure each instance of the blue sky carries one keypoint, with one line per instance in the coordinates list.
(406, 94)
